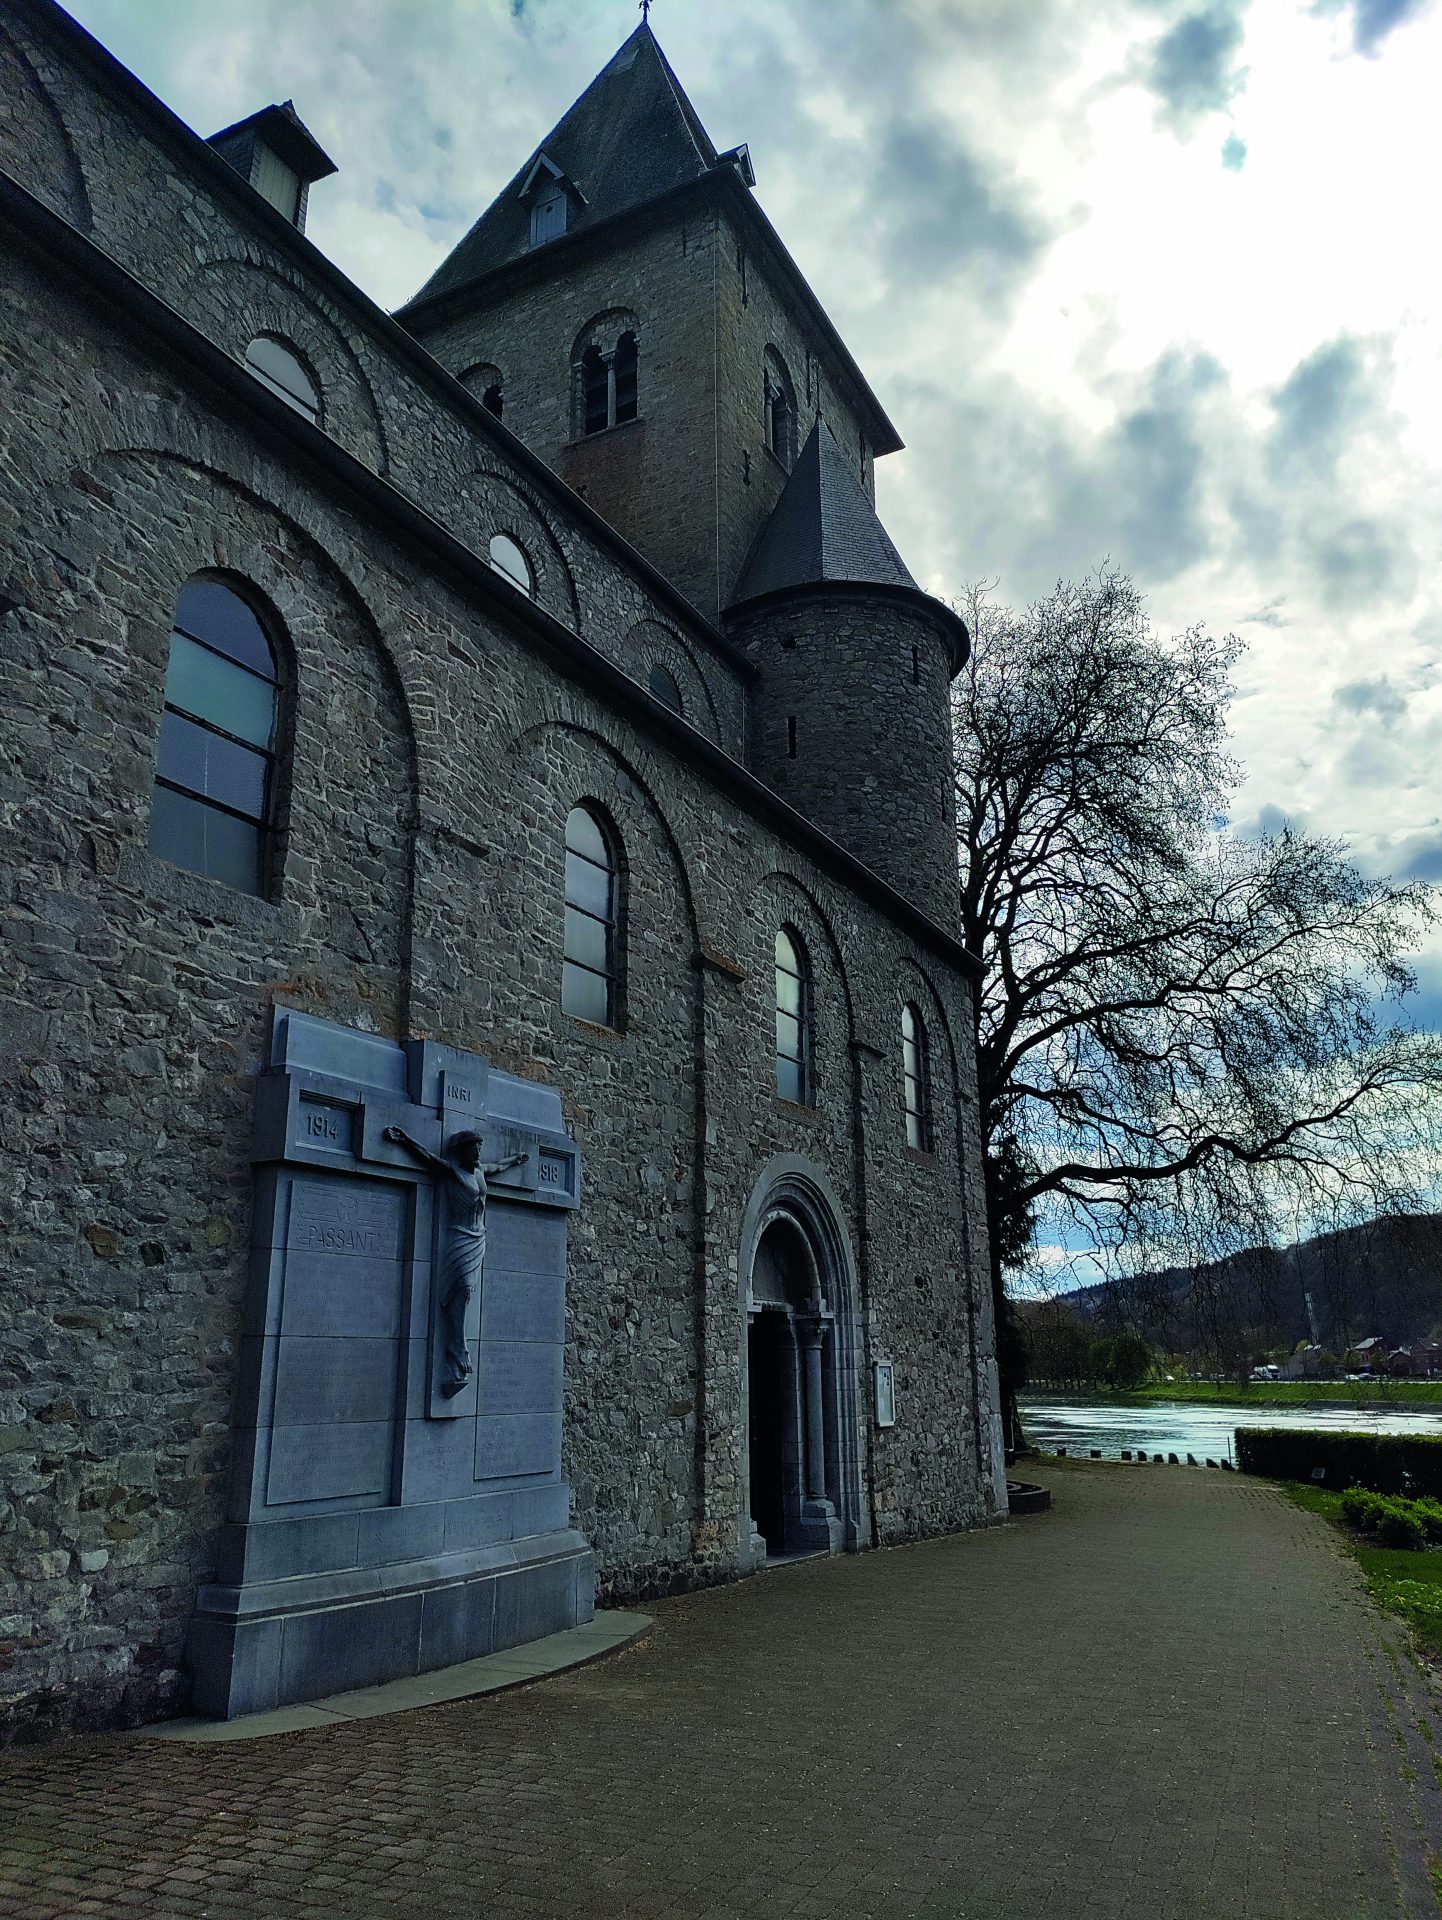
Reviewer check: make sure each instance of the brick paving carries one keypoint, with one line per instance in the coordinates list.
(1169, 1698)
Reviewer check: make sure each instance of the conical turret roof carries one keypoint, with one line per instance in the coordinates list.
(630, 138)
(823, 528)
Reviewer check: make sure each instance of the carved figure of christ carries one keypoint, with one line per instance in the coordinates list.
(462, 1251)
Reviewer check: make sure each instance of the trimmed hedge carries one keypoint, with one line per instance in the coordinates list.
(1386, 1462)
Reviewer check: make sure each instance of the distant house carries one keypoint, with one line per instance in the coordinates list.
(1366, 1354)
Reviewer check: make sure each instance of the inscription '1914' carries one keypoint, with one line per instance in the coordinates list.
(322, 1124)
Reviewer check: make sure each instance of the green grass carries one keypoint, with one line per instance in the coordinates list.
(1267, 1393)
(1409, 1584)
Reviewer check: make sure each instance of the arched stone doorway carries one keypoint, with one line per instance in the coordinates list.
(803, 1450)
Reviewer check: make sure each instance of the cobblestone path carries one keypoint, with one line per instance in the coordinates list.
(1168, 1698)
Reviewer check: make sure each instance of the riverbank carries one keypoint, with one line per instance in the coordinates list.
(1374, 1396)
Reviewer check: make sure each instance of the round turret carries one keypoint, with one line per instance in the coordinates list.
(850, 720)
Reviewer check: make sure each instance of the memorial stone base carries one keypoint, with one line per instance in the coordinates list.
(384, 1521)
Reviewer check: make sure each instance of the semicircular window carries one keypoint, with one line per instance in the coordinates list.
(508, 557)
(277, 367)
(215, 760)
(662, 686)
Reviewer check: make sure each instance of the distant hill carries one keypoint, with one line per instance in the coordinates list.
(1382, 1278)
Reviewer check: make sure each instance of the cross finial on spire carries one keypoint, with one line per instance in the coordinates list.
(645, 13)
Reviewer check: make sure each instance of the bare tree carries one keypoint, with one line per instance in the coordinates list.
(1179, 1040)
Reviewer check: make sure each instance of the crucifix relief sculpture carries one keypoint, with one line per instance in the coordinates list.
(461, 1252)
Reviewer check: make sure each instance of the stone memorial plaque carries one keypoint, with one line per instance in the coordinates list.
(398, 1425)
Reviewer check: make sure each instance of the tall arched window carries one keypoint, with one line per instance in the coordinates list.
(916, 1079)
(794, 1049)
(605, 363)
(215, 764)
(779, 400)
(589, 969)
(279, 367)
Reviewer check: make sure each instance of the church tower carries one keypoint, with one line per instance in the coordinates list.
(625, 306)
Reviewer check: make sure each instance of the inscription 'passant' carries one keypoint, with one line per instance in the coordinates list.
(341, 1239)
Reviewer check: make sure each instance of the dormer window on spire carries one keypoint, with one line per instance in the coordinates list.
(546, 191)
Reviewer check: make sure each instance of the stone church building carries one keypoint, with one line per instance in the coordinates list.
(510, 710)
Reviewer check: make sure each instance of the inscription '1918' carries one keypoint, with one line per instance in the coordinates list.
(554, 1170)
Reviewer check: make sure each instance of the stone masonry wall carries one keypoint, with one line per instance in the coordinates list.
(433, 752)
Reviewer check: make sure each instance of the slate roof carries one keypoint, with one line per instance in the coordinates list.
(822, 528)
(631, 137)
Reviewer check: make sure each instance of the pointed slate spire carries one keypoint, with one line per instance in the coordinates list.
(631, 137)
(823, 528)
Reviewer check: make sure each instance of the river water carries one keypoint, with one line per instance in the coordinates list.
(1179, 1427)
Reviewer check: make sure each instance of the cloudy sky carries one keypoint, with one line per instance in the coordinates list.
(1135, 278)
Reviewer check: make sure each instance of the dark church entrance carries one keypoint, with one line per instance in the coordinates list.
(794, 1406)
(773, 1391)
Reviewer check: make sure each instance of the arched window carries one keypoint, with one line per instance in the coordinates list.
(278, 367)
(605, 363)
(589, 970)
(779, 400)
(508, 558)
(916, 1079)
(794, 1051)
(484, 381)
(662, 686)
(215, 760)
